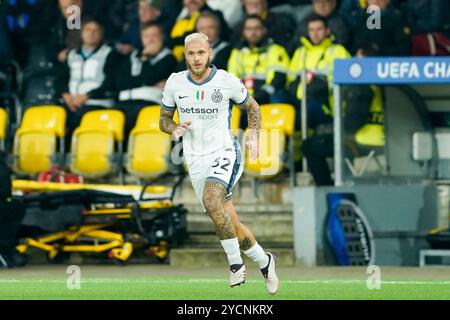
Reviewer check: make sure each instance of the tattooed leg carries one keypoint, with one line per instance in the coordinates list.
(213, 200)
(245, 236)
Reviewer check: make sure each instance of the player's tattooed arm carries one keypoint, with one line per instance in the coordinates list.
(254, 115)
(166, 123)
(254, 125)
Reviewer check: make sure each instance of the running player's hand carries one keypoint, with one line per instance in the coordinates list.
(253, 146)
(180, 130)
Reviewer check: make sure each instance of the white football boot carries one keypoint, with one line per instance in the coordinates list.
(237, 275)
(270, 275)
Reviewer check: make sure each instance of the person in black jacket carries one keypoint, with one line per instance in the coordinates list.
(142, 75)
(426, 16)
(62, 39)
(337, 24)
(280, 26)
(209, 24)
(157, 11)
(12, 212)
(186, 22)
(86, 80)
(114, 15)
(392, 39)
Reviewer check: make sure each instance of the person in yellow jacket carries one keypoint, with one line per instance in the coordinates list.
(316, 54)
(259, 62)
(363, 127)
(186, 23)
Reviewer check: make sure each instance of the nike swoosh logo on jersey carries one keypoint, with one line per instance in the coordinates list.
(182, 97)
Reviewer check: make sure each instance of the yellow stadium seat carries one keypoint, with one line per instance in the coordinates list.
(96, 147)
(235, 121)
(148, 147)
(371, 139)
(277, 126)
(371, 135)
(3, 126)
(175, 117)
(36, 140)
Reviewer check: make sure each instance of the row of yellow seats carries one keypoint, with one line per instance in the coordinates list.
(96, 144)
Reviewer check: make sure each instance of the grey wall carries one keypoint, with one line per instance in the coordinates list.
(399, 215)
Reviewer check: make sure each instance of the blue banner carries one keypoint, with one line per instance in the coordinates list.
(413, 70)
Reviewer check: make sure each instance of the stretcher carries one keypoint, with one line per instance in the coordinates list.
(111, 220)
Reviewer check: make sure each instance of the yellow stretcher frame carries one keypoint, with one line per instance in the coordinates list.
(134, 190)
(103, 240)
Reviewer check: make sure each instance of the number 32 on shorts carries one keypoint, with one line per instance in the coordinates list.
(221, 164)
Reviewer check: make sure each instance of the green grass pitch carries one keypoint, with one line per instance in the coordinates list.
(164, 282)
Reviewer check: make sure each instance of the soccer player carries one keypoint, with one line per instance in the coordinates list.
(203, 96)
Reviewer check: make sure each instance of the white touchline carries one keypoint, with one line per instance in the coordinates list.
(431, 282)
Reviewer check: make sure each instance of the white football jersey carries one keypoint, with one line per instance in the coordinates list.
(207, 105)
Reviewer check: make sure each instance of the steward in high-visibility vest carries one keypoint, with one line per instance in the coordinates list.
(363, 127)
(259, 62)
(316, 54)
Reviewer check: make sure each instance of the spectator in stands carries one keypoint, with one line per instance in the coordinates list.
(392, 39)
(112, 15)
(316, 54)
(209, 24)
(86, 80)
(363, 121)
(149, 11)
(260, 63)
(29, 23)
(231, 10)
(142, 75)
(63, 39)
(428, 16)
(352, 11)
(123, 14)
(186, 23)
(280, 26)
(337, 24)
(430, 27)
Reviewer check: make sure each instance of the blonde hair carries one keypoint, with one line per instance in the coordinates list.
(196, 36)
